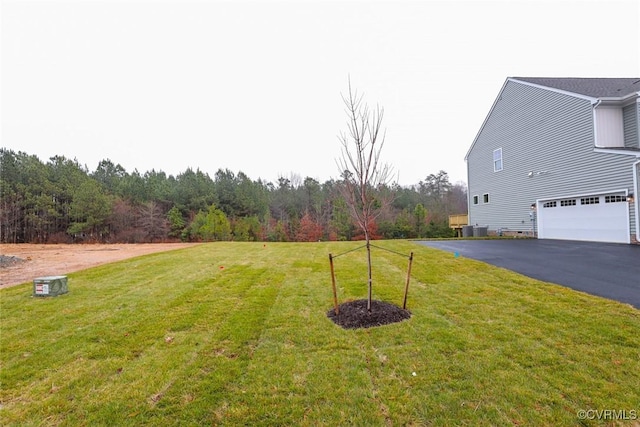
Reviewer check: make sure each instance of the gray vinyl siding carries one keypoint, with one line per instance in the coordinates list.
(539, 131)
(630, 119)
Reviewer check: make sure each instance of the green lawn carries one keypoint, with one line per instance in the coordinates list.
(176, 339)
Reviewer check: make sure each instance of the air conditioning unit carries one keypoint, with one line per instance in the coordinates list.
(50, 286)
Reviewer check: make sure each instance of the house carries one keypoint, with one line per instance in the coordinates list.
(559, 158)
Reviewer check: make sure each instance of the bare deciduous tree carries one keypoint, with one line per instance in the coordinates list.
(363, 173)
(153, 222)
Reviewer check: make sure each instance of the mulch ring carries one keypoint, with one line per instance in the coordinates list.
(354, 314)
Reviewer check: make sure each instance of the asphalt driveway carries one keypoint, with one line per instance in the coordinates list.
(608, 270)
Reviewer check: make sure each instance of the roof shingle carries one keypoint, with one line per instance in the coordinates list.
(594, 87)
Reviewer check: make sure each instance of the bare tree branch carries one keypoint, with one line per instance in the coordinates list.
(363, 173)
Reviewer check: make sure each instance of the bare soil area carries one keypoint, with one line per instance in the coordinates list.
(21, 263)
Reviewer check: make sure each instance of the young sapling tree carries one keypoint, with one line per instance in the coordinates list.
(364, 176)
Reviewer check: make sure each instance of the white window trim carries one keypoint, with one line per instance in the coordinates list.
(475, 199)
(495, 160)
(486, 197)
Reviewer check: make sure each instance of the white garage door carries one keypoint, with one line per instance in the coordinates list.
(598, 218)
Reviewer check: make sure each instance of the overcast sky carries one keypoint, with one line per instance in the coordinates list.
(255, 86)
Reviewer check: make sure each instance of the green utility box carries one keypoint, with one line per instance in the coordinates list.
(50, 286)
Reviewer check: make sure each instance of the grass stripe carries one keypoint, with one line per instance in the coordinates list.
(237, 334)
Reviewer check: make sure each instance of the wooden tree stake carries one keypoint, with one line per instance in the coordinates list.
(406, 288)
(333, 283)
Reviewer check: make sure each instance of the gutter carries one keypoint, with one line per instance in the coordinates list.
(617, 100)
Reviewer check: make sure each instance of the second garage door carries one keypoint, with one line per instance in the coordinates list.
(597, 218)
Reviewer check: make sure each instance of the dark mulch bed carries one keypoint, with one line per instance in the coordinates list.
(354, 314)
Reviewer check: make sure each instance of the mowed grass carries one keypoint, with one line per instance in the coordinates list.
(237, 334)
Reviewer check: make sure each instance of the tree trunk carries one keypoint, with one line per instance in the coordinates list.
(366, 236)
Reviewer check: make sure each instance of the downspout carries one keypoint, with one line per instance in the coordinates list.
(635, 184)
(635, 198)
(595, 105)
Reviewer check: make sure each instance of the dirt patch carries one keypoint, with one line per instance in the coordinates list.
(21, 263)
(354, 314)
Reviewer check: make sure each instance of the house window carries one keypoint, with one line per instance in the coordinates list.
(590, 200)
(567, 202)
(497, 160)
(475, 200)
(614, 199)
(549, 204)
(485, 198)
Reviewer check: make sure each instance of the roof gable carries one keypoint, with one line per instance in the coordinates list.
(588, 88)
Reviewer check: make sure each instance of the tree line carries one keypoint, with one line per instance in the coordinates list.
(61, 201)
